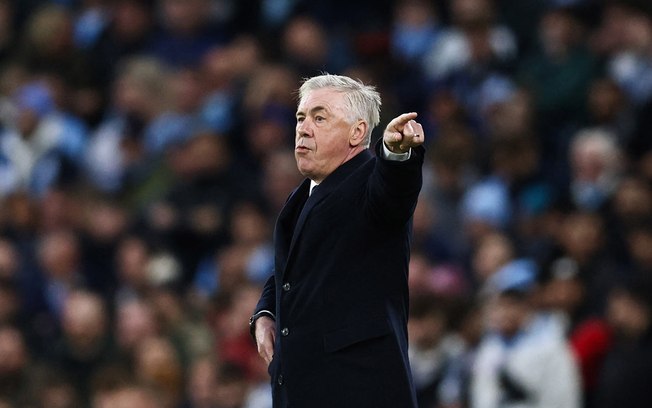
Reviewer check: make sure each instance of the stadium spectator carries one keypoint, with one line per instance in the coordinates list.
(524, 360)
(629, 360)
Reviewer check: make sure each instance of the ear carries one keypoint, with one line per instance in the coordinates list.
(357, 133)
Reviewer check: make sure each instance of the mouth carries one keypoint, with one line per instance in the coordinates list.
(301, 149)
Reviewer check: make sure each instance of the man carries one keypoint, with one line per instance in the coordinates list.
(331, 321)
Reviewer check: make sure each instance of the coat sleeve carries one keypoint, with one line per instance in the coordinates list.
(268, 297)
(394, 187)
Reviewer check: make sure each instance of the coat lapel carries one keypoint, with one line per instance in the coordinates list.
(285, 225)
(319, 194)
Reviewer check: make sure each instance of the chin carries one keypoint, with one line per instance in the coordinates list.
(304, 168)
(304, 172)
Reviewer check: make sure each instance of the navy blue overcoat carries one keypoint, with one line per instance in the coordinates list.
(339, 290)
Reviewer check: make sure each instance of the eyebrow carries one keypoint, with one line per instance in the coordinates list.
(313, 110)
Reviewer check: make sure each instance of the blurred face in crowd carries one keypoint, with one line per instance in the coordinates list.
(639, 245)
(84, 320)
(594, 157)
(157, 363)
(451, 154)
(470, 13)
(424, 217)
(105, 222)
(633, 200)
(564, 295)
(137, 90)
(513, 117)
(131, 20)
(581, 235)
(59, 254)
(131, 397)
(201, 383)
(233, 266)
(132, 258)
(13, 351)
(27, 121)
(605, 101)
(50, 31)
(10, 303)
(9, 259)
(305, 41)
(425, 332)
(230, 389)
(638, 32)
(6, 20)
(206, 153)
(627, 314)
(185, 16)
(415, 13)
(187, 90)
(420, 276)
(508, 313)
(60, 394)
(494, 251)
(135, 322)
(325, 138)
(557, 32)
(265, 136)
(280, 177)
(249, 225)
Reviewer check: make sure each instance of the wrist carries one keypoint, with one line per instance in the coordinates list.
(255, 317)
(394, 148)
(394, 156)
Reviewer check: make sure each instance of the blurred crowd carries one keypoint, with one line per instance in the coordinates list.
(146, 149)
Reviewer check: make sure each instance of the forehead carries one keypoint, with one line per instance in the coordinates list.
(324, 98)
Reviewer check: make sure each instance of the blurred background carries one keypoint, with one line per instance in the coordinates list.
(146, 149)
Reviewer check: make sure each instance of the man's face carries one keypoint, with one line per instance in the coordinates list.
(322, 139)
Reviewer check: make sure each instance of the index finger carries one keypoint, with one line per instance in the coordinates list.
(399, 122)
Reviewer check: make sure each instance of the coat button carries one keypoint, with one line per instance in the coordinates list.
(285, 331)
(286, 287)
(279, 380)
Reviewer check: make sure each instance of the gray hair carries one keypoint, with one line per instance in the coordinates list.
(362, 101)
(603, 142)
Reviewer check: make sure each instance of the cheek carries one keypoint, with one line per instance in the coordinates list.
(333, 145)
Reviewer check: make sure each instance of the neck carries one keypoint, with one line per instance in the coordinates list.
(353, 151)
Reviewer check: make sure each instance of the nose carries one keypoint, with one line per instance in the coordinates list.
(303, 128)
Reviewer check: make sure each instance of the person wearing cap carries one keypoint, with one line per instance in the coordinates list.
(524, 360)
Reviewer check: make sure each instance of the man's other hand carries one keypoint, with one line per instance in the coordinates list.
(265, 337)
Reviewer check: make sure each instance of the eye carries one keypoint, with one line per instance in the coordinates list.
(319, 119)
(300, 119)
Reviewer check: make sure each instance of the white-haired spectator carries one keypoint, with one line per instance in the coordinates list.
(596, 166)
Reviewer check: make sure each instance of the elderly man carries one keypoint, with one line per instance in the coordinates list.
(331, 321)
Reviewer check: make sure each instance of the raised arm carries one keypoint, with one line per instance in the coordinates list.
(394, 185)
